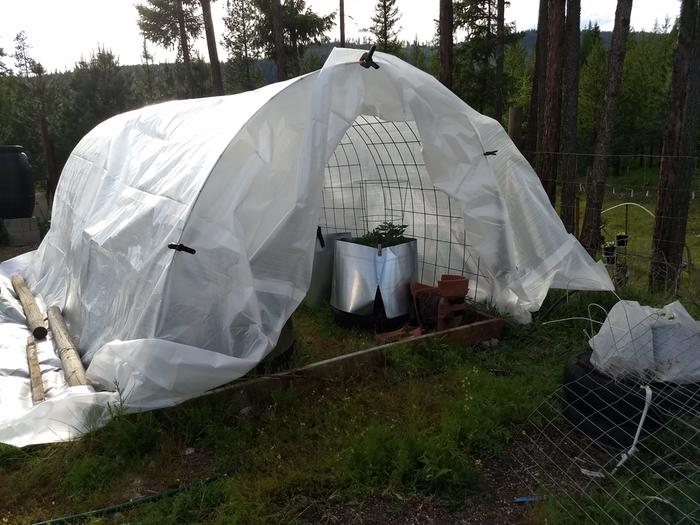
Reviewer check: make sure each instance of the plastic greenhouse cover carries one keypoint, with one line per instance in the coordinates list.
(650, 344)
(239, 180)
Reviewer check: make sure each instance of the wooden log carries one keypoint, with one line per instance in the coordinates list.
(34, 371)
(35, 320)
(66, 349)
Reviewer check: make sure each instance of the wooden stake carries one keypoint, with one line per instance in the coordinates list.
(34, 371)
(66, 349)
(35, 320)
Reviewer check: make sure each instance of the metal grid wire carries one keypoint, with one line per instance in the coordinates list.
(628, 205)
(645, 467)
(377, 174)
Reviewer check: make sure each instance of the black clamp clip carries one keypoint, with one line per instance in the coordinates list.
(179, 247)
(366, 60)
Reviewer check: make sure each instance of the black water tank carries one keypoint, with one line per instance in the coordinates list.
(16, 184)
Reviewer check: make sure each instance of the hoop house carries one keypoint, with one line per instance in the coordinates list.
(244, 181)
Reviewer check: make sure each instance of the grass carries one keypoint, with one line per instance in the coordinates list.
(639, 186)
(416, 428)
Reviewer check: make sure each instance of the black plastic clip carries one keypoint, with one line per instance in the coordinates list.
(319, 236)
(488, 153)
(181, 248)
(366, 58)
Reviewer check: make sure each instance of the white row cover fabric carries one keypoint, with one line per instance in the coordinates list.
(648, 344)
(239, 179)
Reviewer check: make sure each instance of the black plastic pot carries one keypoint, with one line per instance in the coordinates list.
(609, 253)
(16, 184)
(621, 239)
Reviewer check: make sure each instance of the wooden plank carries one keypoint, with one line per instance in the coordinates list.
(66, 349)
(483, 329)
(37, 385)
(35, 319)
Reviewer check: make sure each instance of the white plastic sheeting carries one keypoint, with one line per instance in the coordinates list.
(650, 344)
(239, 179)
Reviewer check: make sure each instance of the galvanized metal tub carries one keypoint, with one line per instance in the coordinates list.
(359, 270)
(322, 274)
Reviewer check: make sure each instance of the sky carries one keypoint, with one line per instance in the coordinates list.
(60, 32)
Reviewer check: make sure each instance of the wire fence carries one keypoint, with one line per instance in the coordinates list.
(620, 443)
(630, 211)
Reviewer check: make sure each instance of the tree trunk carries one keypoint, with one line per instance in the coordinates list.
(35, 319)
(677, 162)
(217, 84)
(341, 16)
(515, 120)
(552, 103)
(67, 350)
(185, 46)
(35, 380)
(500, 43)
(537, 95)
(569, 118)
(278, 38)
(47, 148)
(590, 231)
(446, 30)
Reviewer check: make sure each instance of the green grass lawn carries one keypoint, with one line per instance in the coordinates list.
(639, 187)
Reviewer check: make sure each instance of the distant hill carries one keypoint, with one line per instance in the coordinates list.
(530, 36)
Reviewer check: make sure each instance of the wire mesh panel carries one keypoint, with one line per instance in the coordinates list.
(377, 174)
(619, 444)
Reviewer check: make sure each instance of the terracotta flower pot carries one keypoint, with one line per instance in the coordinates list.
(453, 286)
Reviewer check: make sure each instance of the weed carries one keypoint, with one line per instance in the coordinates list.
(88, 475)
(413, 461)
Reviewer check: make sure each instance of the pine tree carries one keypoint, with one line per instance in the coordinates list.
(474, 73)
(446, 34)
(551, 123)
(216, 82)
(301, 27)
(241, 70)
(172, 23)
(569, 117)
(537, 99)
(147, 59)
(23, 62)
(341, 22)
(678, 161)
(500, 57)
(37, 102)
(590, 231)
(385, 26)
(278, 39)
(3, 67)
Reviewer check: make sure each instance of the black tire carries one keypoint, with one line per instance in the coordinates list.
(619, 435)
(592, 390)
(605, 409)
